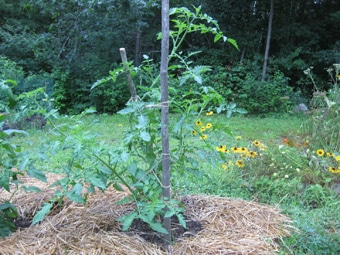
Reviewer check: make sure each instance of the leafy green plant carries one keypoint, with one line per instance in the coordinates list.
(13, 163)
(143, 138)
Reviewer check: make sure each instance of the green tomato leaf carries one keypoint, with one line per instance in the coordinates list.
(75, 197)
(97, 182)
(158, 227)
(40, 215)
(35, 173)
(181, 220)
(31, 189)
(145, 136)
(127, 220)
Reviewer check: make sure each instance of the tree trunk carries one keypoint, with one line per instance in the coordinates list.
(165, 113)
(138, 49)
(266, 54)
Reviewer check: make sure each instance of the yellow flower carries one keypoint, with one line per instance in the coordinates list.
(120, 125)
(235, 149)
(193, 132)
(332, 169)
(337, 158)
(209, 125)
(243, 149)
(198, 123)
(209, 113)
(230, 163)
(330, 154)
(221, 148)
(339, 76)
(202, 129)
(238, 137)
(226, 150)
(240, 163)
(224, 166)
(257, 143)
(320, 152)
(203, 137)
(252, 154)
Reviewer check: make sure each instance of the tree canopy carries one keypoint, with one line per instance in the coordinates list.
(77, 42)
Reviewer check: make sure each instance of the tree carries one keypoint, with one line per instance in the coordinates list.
(266, 54)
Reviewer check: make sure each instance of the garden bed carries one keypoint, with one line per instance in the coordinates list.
(218, 225)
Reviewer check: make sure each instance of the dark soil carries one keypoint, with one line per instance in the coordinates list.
(22, 222)
(138, 227)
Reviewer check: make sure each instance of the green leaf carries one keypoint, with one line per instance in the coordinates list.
(142, 122)
(35, 173)
(125, 156)
(5, 179)
(181, 220)
(198, 79)
(158, 227)
(97, 182)
(127, 220)
(9, 210)
(77, 188)
(233, 42)
(75, 197)
(127, 110)
(6, 227)
(145, 136)
(40, 215)
(118, 187)
(31, 189)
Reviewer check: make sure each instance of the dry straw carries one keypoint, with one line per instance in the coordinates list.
(229, 227)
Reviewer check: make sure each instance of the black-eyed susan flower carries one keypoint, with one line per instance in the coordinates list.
(193, 132)
(209, 125)
(120, 125)
(203, 137)
(235, 149)
(240, 163)
(252, 154)
(329, 154)
(332, 169)
(257, 143)
(337, 158)
(202, 129)
(221, 148)
(320, 152)
(243, 149)
(226, 150)
(209, 113)
(224, 166)
(198, 123)
(238, 137)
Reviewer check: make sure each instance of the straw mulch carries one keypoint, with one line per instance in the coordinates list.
(229, 227)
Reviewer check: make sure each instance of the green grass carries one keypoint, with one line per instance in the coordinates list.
(307, 195)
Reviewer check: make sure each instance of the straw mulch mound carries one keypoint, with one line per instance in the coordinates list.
(229, 227)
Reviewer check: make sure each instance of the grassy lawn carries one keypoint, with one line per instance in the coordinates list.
(283, 175)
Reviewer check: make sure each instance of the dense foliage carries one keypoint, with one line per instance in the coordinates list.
(67, 45)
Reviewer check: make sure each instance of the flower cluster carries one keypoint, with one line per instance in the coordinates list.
(201, 129)
(335, 160)
(240, 153)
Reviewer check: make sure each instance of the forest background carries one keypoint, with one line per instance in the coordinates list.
(66, 46)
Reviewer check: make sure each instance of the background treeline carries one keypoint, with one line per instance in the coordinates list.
(67, 45)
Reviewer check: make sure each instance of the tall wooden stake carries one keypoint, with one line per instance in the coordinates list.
(165, 113)
(132, 88)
